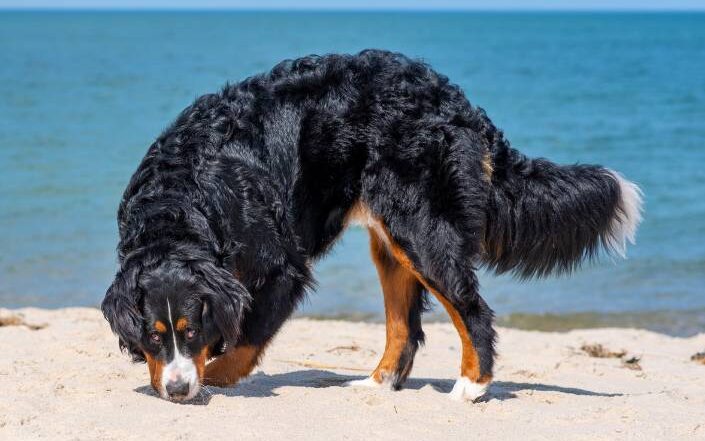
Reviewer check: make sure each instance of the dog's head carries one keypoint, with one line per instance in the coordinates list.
(175, 316)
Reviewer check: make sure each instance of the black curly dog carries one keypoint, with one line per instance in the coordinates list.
(235, 201)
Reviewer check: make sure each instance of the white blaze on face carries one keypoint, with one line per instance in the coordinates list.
(180, 368)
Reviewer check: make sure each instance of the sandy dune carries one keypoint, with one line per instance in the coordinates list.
(68, 381)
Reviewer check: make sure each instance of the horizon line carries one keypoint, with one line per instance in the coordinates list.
(334, 9)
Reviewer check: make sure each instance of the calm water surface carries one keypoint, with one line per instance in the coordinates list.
(84, 94)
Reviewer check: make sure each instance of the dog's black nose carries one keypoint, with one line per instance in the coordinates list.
(177, 389)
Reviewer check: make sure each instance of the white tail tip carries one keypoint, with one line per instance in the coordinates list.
(627, 217)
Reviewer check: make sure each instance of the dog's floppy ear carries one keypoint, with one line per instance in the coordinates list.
(121, 309)
(226, 298)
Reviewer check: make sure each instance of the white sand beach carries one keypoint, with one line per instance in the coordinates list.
(63, 378)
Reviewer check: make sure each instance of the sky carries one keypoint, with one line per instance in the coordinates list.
(362, 4)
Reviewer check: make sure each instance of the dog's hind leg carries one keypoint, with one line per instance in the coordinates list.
(427, 194)
(403, 305)
(454, 283)
(472, 319)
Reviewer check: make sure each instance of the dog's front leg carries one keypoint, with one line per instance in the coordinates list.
(234, 364)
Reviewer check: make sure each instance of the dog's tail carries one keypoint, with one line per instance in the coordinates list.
(545, 218)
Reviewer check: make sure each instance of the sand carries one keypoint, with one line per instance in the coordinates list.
(67, 380)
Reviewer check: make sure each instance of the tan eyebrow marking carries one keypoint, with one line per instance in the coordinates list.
(181, 324)
(160, 326)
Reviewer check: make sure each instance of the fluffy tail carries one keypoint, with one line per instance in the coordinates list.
(545, 218)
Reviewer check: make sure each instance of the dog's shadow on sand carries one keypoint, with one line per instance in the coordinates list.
(262, 385)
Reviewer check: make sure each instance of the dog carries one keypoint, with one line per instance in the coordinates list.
(238, 198)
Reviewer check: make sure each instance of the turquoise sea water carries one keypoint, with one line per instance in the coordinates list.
(83, 94)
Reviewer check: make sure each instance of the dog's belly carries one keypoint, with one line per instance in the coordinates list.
(361, 215)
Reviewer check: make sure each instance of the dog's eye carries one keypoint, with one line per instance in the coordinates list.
(155, 338)
(191, 333)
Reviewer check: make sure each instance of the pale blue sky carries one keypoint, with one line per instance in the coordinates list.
(362, 4)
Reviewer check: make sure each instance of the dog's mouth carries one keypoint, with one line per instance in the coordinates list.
(178, 380)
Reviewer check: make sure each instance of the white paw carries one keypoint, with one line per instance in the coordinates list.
(247, 380)
(466, 390)
(367, 382)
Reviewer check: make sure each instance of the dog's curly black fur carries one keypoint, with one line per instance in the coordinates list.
(251, 185)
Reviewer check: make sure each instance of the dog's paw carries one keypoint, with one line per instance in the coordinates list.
(251, 378)
(466, 390)
(366, 382)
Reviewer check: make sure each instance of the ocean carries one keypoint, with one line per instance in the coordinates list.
(83, 94)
